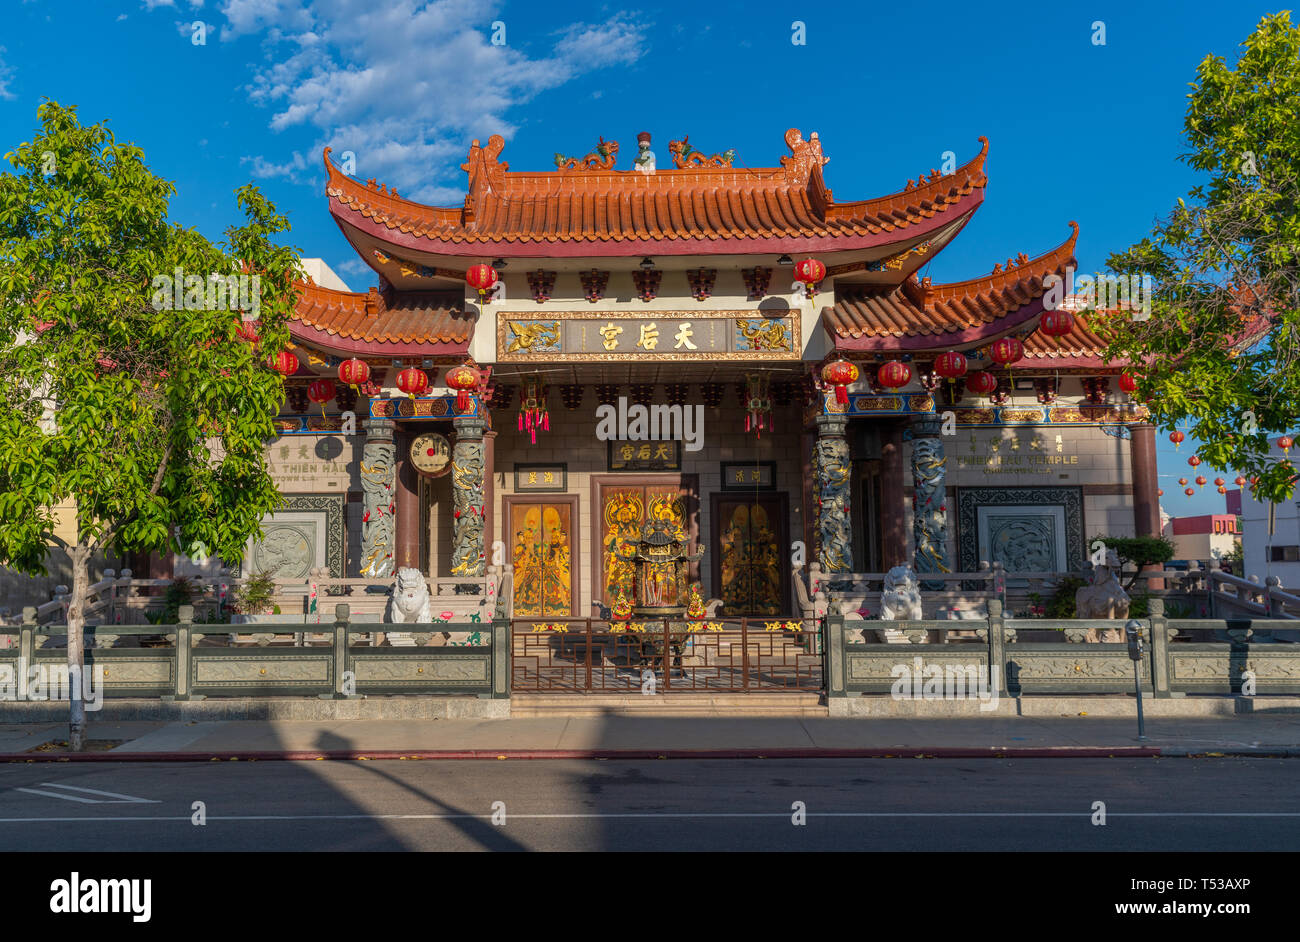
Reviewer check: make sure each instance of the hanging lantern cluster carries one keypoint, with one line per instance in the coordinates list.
(354, 373)
(758, 404)
(894, 375)
(320, 392)
(532, 408)
(285, 362)
(1177, 438)
(1007, 350)
(982, 383)
(810, 271)
(840, 374)
(462, 379)
(1056, 323)
(481, 278)
(412, 381)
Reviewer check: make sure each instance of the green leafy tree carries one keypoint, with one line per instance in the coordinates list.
(1220, 353)
(1139, 552)
(152, 422)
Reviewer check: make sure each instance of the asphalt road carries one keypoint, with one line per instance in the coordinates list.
(1172, 804)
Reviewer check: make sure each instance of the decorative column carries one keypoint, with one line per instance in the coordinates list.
(833, 466)
(929, 501)
(1146, 502)
(489, 486)
(893, 523)
(467, 489)
(377, 481)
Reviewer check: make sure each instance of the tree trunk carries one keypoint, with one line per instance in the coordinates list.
(80, 556)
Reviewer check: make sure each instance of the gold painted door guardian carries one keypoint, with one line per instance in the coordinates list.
(541, 541)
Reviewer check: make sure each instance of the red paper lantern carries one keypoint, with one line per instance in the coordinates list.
(1285, 443)
(320, 392)
(1182, 481)
(354, 372)
(1189, 492)
(247, 330)
(1223, 490)
(1160, 492)
(286, 362)
(462, 379)
(1239, 481)
(1200, 480)
(810, 272)
(1128, 383)
(481, 278)
(412, 381)
(1007, 350)
(982, 383)
(1220, 482)
(841, 374)
(950, 365)
(1177, 438)
(894, 374)
(1194, 460)
(1056, 323)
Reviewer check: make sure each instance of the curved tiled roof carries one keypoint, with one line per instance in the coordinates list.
(957, 315)
(782, 206)
(397, 323)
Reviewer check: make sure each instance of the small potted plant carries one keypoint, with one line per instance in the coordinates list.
(254, 596)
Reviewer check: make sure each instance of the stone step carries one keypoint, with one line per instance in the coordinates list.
(670, 704)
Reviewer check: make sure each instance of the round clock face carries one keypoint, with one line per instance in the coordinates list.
(431, 454)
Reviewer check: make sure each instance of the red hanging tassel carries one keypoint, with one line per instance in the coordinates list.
(521, 421)
(546, 421)
(842, 395)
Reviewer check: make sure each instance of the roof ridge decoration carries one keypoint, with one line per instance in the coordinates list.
(678, 211)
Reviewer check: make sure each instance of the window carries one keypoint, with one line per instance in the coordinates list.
(1284, 554)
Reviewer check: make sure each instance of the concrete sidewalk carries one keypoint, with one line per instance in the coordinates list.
(616, 736)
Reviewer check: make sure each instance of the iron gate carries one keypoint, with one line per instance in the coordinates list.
(716, 655)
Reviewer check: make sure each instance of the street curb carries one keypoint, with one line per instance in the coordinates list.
(1064, 752)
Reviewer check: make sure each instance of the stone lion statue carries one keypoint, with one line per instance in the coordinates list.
(1104, 598)
(901, 599)
(410, 599)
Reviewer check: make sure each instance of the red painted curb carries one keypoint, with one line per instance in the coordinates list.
(1069, 752)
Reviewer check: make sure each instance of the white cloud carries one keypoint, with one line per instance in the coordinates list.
(406, 84)
(6, 76)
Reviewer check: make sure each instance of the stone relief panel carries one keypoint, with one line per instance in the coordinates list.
(1024, 533)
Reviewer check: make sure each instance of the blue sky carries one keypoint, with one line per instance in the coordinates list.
(1077, 130)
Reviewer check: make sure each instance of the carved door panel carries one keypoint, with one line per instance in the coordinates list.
(541, 542)
(623, 509)
(751, 564)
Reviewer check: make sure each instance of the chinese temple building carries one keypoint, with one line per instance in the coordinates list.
(806, 385)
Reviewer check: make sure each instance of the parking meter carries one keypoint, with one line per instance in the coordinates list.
(1133, 632)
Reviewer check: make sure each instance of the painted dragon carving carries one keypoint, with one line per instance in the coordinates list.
(377, 477)
(467, 557)
(833, 471)
(684, 155)
(929, 511)
(602, 158)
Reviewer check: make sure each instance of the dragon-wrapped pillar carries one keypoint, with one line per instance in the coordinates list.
(378, 477)
(468, 497)
(832, 466)
(929, 501)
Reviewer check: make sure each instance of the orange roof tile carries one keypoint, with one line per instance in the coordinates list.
(381, 323)
(671, 210)
(955, 316)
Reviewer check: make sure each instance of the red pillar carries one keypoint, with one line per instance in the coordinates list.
(406, 492)
(893, 518)
(1146, 503)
